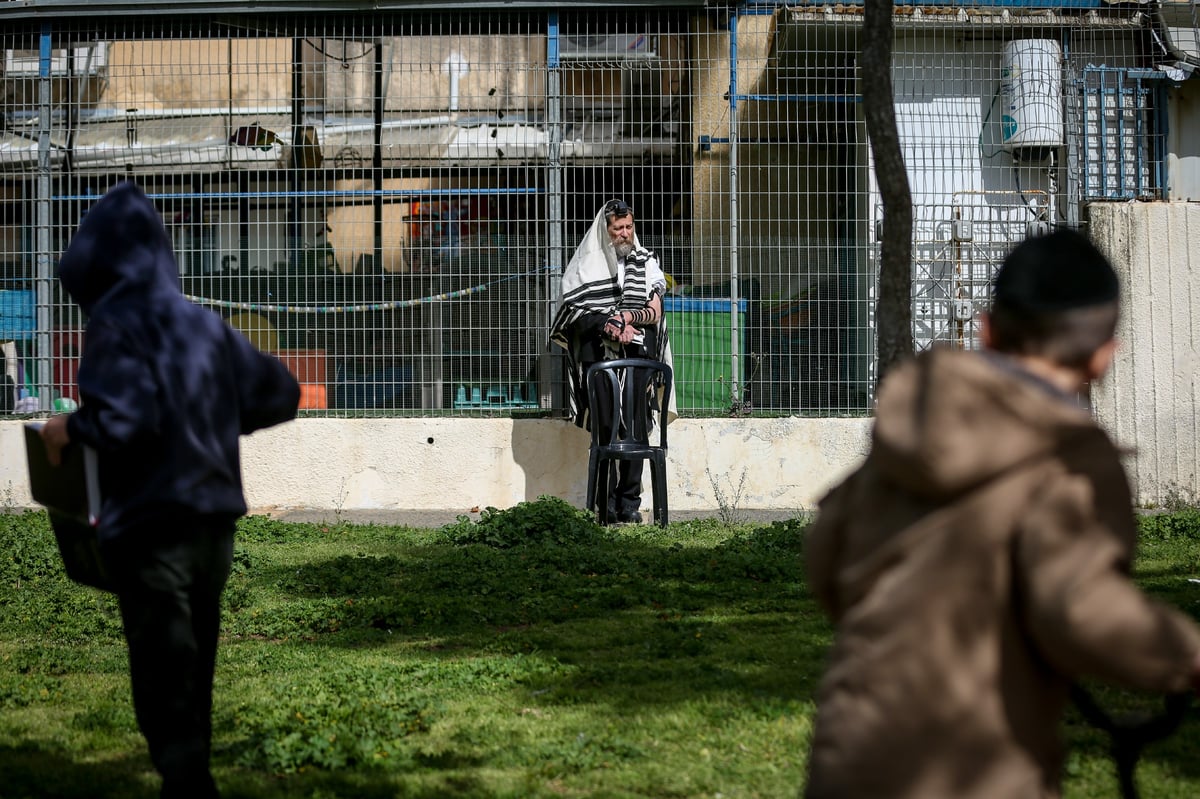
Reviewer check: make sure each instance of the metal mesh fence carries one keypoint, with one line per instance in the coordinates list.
(387, 201)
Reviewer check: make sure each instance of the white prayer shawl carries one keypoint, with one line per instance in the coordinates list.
(597, 281)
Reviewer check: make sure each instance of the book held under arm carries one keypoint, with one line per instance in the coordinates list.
(70, 493)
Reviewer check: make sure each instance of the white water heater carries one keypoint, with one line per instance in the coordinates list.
(1031, 91)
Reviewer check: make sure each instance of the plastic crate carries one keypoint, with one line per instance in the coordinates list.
(373, 387)
(495, 396)
(18, 314)
(66, 347)
(310, 368)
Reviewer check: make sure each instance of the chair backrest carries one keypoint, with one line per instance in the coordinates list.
(626, 386)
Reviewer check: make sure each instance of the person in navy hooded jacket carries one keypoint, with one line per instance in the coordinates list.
(166, 388)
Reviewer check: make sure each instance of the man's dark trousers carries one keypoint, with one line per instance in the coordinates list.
(169, 580)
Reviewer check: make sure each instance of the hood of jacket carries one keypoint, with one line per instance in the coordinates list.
(120, 247)
(948, 421)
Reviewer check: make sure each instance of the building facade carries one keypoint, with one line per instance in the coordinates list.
(386, 194)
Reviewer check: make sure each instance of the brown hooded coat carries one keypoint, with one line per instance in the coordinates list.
(974, 566)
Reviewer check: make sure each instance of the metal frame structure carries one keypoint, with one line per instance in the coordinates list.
(386, 193)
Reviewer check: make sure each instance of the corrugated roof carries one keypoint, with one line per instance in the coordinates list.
(204, 144)
(17, 9)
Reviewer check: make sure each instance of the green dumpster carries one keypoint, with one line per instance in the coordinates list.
(700, 333)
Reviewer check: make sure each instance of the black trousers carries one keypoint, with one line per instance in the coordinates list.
(168, 582)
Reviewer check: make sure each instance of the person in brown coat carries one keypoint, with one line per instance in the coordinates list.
(977, 563)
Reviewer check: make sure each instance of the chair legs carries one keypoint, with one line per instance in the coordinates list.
(599, 480)
(598, 486)
(593, 464)
(619, 398)
(604, 479)
(658, 483)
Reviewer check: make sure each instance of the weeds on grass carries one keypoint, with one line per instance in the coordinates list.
(728, 502)
(19, 689)
(770, 553)
(1182, 524)
(37, 598)
(531, 654)
(344, 716)
(339, 503)
(1179, 498)
(548, 520)
(29, 552)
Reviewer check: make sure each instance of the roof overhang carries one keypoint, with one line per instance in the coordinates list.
(169, 143)
(47, 9)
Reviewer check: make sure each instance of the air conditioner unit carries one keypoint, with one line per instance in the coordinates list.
(87, 59)
(606, 47)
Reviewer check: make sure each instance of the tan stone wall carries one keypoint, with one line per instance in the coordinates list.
(502, 73)
(204, 73)
(786, 187)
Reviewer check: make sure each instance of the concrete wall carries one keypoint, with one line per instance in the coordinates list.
(1149, 400)
(461, 464)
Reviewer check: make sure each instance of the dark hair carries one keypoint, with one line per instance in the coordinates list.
(1069, 338)
(616, 209)
(1059, 271)
(1055, 296)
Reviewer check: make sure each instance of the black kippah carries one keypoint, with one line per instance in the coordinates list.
(1059, 271)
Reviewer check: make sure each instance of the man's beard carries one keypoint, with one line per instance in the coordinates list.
(623, 249)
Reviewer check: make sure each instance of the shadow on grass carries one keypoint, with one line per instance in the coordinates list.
(355, 784)
(625, 613)
(1181, 571)
(1177, 755)
(640, 622)
(636, 620)
(34, 771)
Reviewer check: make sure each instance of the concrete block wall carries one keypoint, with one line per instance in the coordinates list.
(1149, 400)
(461, 464)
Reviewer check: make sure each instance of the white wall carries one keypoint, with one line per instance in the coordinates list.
(460, 464)
(1149, 400)
(1183, 145)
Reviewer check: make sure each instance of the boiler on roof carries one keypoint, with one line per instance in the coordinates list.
(1031, 91)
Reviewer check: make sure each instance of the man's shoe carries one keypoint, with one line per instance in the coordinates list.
(630, 517)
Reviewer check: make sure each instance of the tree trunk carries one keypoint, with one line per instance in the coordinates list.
(894, 303)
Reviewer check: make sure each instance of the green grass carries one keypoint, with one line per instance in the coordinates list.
(530, 654)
